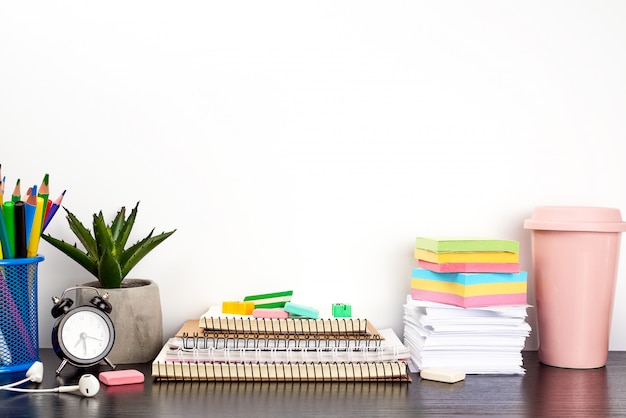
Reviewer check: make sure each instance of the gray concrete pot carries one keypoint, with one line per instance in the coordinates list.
(137, 319)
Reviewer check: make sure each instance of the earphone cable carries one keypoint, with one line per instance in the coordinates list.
(12, 389)
(12, 385)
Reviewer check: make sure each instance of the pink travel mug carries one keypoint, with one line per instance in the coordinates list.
(575, 252)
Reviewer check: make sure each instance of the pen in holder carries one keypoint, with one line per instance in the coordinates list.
(19, 331)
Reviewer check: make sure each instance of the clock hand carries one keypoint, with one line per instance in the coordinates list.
(93, 338)
(81, 337)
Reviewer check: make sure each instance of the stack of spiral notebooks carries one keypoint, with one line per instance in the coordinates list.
(244, 348)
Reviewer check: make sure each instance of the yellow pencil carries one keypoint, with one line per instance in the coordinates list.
(35, 231)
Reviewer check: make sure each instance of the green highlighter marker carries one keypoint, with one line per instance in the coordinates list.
(9, 222)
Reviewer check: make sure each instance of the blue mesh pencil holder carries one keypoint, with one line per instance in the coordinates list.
(19, 331)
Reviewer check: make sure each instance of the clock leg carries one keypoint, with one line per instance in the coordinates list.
(111, 365)
(63, 363)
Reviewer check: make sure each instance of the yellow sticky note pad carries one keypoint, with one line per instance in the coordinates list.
(237, 308)
(469, 257)
(469, 290)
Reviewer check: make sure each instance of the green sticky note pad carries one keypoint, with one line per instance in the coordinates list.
(342, 310)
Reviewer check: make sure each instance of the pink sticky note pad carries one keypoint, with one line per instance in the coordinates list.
(121, 377)
(270, 313)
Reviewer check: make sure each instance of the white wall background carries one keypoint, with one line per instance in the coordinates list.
(304, 145)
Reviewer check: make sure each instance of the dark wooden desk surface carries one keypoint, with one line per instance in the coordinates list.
(543, 391)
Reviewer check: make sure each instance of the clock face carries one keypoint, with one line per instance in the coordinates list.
(85, 335)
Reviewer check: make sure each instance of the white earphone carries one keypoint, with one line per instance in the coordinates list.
(88, 384)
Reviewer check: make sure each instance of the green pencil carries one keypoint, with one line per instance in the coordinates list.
(17, 194)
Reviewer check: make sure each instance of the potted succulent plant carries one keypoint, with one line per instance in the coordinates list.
(136, 303)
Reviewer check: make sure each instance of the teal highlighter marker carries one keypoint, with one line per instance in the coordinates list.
(4, 239)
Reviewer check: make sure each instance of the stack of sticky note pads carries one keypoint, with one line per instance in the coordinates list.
(467, 307)
(468, 272)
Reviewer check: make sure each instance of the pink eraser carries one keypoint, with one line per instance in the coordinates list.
(270, 313)
(121, 377)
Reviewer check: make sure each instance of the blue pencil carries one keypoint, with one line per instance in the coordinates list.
(53, 209)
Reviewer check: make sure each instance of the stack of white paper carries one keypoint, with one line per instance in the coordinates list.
(486, 340)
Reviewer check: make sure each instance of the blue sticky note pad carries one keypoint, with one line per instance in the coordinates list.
(301, 310)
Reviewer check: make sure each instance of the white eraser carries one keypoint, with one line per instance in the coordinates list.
(442, 374)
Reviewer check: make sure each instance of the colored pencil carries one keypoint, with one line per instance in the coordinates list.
(30, 205)
(46, 210)
(53, 209)
(44, 192)
(17, 194)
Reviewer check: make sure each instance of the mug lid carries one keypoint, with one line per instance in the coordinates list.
(576, 218)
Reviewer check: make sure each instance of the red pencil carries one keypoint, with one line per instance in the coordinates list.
(47, 209)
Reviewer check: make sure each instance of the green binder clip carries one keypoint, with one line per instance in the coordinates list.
(342, 310)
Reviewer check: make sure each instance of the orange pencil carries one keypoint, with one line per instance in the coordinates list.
(29, 192)
(30, 206)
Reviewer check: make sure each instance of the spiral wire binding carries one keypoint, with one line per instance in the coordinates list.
(242, 325)
(276, 354)
(279, 341)
(285, 372)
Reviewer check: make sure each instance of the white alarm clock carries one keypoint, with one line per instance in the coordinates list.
(82, 336)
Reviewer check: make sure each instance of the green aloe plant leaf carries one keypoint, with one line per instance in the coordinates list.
(73, 252)
(122, 228)
(132, 255)
(109, 272)
(105, 256)
(117, 224)
(103, 236)
(84, 235)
